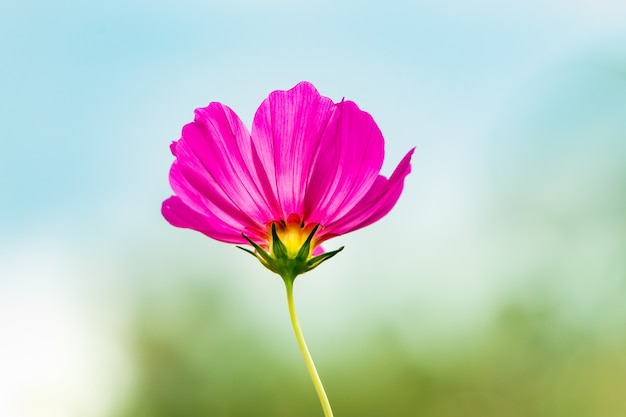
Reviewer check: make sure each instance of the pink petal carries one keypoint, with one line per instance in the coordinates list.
(378, 201)
(348, 162)
(214, 176)
(180, 214)
(219, 147)
(317, 251)
(202, 196)
(306, 155)
(287, 130)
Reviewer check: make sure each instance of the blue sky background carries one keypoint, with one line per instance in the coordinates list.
(516, 110)
(89, 89)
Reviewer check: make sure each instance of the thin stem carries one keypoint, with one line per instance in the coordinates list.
(308, 360)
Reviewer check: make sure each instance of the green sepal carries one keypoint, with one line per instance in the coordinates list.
(278, 247)
(280, 262)
(304, 251)
(247, 250)
(314, 262)
(260, 251)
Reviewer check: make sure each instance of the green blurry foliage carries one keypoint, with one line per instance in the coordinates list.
(195, 358)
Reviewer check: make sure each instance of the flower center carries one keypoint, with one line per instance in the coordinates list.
(290, 246)
(293, 233)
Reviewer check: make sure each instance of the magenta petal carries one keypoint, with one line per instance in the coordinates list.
(307, 158)
(378, 201)
(218, 147)
(173, 147)
(349, 161)
(214, 173)
(287, 130)
(318, 251)
(201, 196)
(179, 214)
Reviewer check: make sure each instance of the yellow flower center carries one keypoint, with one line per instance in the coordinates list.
(290, 246)
(292, 233)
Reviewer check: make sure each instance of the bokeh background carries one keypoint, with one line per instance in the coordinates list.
(496, 287)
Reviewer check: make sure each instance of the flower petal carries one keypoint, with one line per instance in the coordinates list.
(202, 196)
(306, 157)
(287, 130)
(378, 201)
(180, 214)
(222, 148)
(348, 162)
(213, 175)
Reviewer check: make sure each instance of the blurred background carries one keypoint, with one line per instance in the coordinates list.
(496, 287)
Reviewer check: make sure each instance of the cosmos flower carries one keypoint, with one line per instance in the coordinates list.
(308, 171)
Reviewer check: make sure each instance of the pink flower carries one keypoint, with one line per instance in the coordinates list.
(309, 171)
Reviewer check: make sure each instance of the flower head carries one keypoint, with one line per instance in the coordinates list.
(308, 171)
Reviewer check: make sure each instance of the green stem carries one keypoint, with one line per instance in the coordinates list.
(308, 360)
